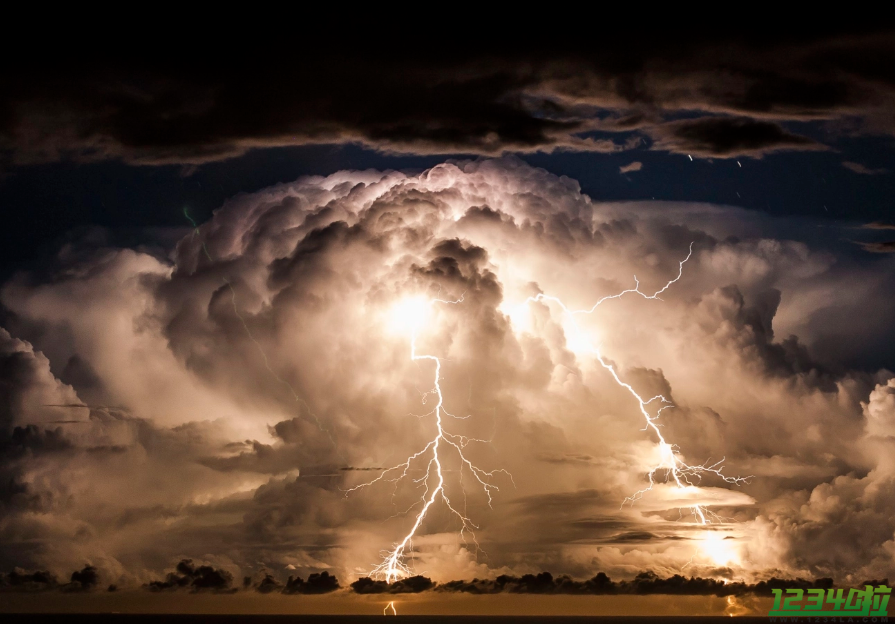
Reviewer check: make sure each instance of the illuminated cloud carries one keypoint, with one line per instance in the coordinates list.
(859, 168)
(877, 247)
(216, 403)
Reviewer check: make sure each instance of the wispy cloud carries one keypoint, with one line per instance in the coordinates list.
(859, 168)
(877, 247)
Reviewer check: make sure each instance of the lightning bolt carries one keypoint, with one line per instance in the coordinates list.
(674, 467)
(391, 606)
(393, 566)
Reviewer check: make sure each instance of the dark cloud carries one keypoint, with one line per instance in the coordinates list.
(410, 585)
(784, 358)
(882, 247)
(317, 583)
(20, 580)
(85, 579)
(567, 458)
(33, 439)
(503, 97)
(187, 576)
(194, 578)
(267, 585)
(644, 583)
(727, 137)
(633, 537)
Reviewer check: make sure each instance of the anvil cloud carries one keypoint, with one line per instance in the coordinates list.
(213, 403)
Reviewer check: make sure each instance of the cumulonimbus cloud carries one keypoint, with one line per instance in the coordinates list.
(261, 369)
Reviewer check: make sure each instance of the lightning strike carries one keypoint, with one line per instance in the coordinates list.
(682, 474)
(413, 312)
(391, 606)
(735, 608)
(393, 566)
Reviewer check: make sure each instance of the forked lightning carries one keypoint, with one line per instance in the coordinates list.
(682, 474)
(393, 565)
(676, 469)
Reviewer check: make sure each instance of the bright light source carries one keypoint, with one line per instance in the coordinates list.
(520, 315)
(578, 339)
(721, 551)
(408, 314)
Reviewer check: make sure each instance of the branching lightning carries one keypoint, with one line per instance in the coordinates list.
(393, 566)
(683, 475)
(676, 470)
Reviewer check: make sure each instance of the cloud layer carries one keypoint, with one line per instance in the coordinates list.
(711, 94)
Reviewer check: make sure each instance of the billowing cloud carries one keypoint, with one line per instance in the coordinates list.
(880, 411)
(195, 578)
(215, 404)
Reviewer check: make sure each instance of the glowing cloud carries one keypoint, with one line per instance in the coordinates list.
(284, 349)
(669, 460)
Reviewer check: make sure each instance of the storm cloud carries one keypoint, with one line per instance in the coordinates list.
(214, 404)
(739, 92)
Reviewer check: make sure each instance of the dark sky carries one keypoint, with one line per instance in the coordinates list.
(41, 203)
(128, 140)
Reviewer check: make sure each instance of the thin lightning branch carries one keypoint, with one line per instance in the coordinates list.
(675, 468)
(393, 565)
(391, 606)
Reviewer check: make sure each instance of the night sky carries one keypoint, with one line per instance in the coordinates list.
(240, 279)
